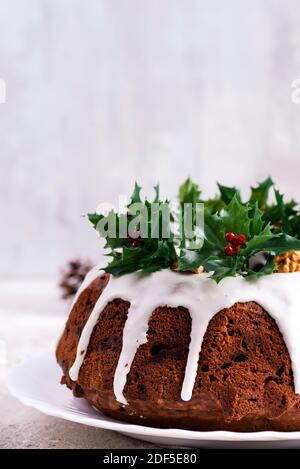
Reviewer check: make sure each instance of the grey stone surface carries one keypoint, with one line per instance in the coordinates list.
(31, 319)
(22, 427)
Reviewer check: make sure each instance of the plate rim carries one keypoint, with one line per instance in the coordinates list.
(130, 429)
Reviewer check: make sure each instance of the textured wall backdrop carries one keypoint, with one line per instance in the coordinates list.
(102, 92)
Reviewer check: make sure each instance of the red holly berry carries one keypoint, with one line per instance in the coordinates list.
(235, 242)
(236, 249)
(242, 239)
(229, 250)
(134, 241)
(229, 236)
(136, 234)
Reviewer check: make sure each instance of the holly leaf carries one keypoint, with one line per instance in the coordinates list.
(257, 222)
(285, 212)
(260, 193)
(124, 262)
(214, 230)
(236, 217)
(295, 226)
(140, 258)
(136, 197)
(266, 269)
(94, 218)
(156, 189)
(259, 241)
(227, 193)
(163, 257)
(279, 244)
(281, 215)
(214, 205)
(192, 259)
(189, 192)
(102, 222)
(220, 271)
(220, 267)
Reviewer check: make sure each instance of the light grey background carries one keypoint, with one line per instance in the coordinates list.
(103, 92)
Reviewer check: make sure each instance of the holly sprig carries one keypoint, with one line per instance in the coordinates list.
(279, 214)
(140, 251)
(243, 223)
(235, 231)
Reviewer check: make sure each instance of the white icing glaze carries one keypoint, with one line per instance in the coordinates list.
(88, 279)
(278, 294)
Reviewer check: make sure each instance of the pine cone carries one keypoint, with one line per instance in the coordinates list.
(288, 262)
(73, 275)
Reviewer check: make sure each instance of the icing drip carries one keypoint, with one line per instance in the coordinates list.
(278, 294)
(89, 278)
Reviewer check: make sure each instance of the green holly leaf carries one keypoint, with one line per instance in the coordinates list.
(155, 246)
(279, 244)
(227, 193)
(189, 192)
(281, 215)
(257, 222)
(191, 259)
(259, 241)
(266, 269)
(124, 262)
(295, 226)
(214, 230)
(156, 189)
(214, 205)
(163, 257)
(260, 193)
(136, 197)
(143, 258)
(220, 272)
(94, 218)
(285, 212)
(236, 217)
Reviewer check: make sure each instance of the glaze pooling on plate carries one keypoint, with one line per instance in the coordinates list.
(278, 294)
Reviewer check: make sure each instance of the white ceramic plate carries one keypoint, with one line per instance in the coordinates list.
(35, 382)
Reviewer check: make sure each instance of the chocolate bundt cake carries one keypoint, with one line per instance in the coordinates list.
(179, 350)
(199, 332)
